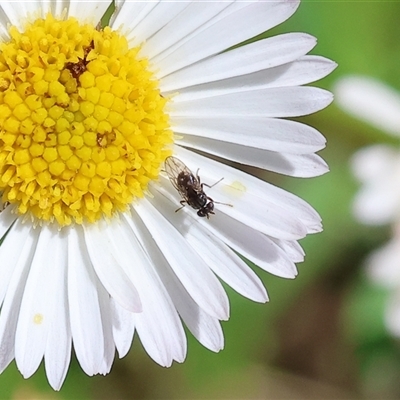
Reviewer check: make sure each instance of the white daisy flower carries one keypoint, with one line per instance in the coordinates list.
(378, 169)
(93, 248)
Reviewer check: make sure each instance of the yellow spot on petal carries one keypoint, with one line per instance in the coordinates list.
(235, 189)
(38, 319)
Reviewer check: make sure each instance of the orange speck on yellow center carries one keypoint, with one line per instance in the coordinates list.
(82, 122)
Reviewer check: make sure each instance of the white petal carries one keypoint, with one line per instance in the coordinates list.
(4, 23)
(88, 11)
(370, 100)
(248, 59)
(123, 325)
(249, 20)
(273, 102)
(158, 16)
(58, 7)
(292, 249)
(6, 220)
(159, 314)
(108, 269)
(253, 245)
(10, 253)
(36, 313)
(264, 215)
(83, 298)
(232, 6)
(20, 12)
(106, 320)
(197, 278)
(302, 71)
(299, 72)
(298, 165)
(244, 239)
(237, 184)
(58, 348)
(152, 338)
(205, 328)
(11, 307)
(258, 248)
(192, 17)
(227, 265)
(260, 132)
(136, 11)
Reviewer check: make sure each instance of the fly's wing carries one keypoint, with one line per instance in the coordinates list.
(173, 167)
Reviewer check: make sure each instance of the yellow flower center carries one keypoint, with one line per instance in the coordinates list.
(82, 122)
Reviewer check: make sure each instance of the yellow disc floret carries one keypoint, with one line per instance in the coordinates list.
(82, 122)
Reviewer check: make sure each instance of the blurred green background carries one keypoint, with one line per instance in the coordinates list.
(321, 336)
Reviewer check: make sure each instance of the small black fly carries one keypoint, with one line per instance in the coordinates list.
(190, 187)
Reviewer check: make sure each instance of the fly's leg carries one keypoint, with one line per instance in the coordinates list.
(210, 186)
(183, 205)
(205, 184)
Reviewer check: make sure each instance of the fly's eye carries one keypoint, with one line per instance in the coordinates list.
(210, 206)
(202, 213)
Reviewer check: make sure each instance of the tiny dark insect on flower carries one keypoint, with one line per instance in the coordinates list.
(190, 187)
(78, 68)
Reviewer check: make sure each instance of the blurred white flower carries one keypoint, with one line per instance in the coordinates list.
(378, 169)
(383, 267)
(370, 100)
